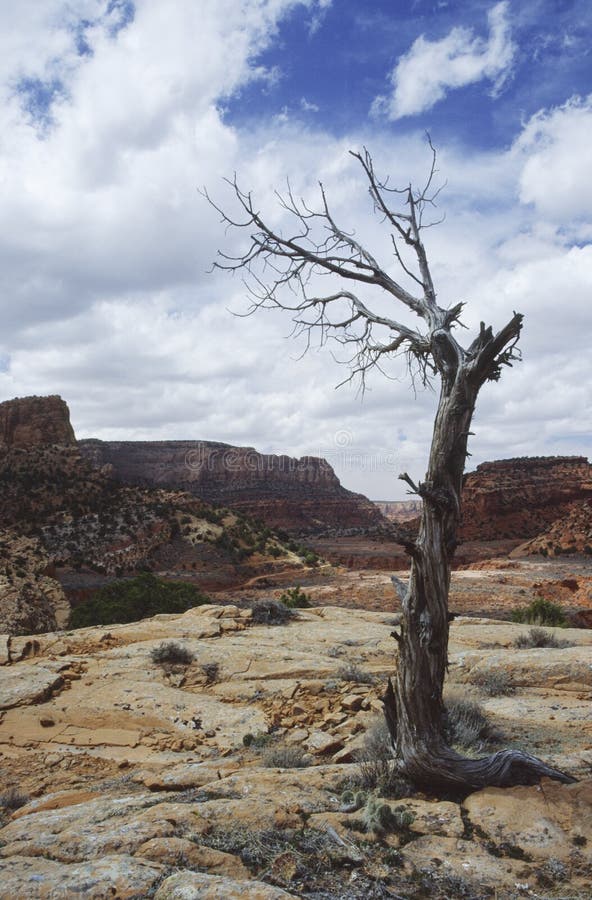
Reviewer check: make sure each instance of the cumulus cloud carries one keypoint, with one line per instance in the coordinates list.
(105, 246)
(556, 150)
(430, 69)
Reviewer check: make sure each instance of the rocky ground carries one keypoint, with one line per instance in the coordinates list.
(235, 773)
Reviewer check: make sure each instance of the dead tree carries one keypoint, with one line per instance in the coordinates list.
(281, 271)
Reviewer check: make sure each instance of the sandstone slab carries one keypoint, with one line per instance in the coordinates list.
(447, 858)
(112, 876)
(22, 686)
(175, 851)
(201, 886)
(547, 820)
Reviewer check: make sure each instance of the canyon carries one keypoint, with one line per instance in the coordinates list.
(300, 494)
(242, 765)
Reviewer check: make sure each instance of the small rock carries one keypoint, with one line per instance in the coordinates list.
(351, 702)
(320, 743)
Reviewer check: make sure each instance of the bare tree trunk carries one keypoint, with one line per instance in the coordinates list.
(318, 245)
(414, 708)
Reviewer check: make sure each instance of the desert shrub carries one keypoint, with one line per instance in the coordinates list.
(212, 671)
(351, 672)
(465, 723)
(258, 849)
(170, 653)
(284, 757)
(376, 768)
(295, 598)
(539, 612)
(270, 612)
(13, 799)
(495, 684)
(136, 598)
(257, 741)
(538, 637)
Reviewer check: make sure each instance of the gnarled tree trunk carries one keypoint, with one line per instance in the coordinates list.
(315, 244)
(414, 708)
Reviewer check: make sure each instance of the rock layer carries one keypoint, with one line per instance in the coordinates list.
(520, 498)
(283, 491)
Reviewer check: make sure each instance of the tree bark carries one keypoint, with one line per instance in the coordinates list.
(414, 708)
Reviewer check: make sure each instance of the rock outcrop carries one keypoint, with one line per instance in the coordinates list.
(121, 777)
(30, 600)
(301, 494)
(520, 498)
(35, 421)
(570, 534)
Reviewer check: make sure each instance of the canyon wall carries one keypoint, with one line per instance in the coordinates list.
(285, 492)
(520, 498)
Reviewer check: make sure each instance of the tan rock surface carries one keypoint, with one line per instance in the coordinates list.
(543, 820)
(199, 886)
(128, 761)
(42, 879)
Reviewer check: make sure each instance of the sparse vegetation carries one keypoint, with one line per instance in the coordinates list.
(378, 816)
(351, 672)
(497, 683)
(134, 599)
(170, 653)
(13, 798)
(295, 598)
(270, 612)
(212, 671)
(538, 637)
(258, 740)
(465, 724)
(377, 770)
(285, 757)
(540, 612)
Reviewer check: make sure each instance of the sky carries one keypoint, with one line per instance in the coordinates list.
(116, 114)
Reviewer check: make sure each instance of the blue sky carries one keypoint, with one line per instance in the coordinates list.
(114, 113)
(339, 62)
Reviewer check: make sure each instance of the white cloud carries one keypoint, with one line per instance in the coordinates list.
(430, 69)
(105, 245)
(556, 149)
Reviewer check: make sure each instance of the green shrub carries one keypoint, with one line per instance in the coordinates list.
(538, 637)
(295, 598)
(270, 612)
(257, 741)
(134, 599)
(170, 653)
(379, 817)
(540, 612)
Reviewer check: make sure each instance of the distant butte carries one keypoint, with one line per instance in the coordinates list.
(34, 421)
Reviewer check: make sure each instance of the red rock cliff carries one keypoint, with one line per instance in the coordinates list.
(285, 492)
(519, 498)
(33, 421)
